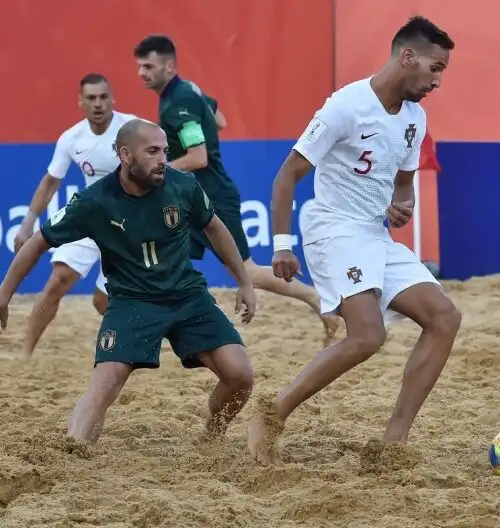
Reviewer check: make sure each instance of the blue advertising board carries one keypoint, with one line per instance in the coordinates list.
(252, 165)
(469, 211)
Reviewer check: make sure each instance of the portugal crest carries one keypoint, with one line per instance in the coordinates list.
(410, 134)
(107, 340)
(354, 274)
(172, 215)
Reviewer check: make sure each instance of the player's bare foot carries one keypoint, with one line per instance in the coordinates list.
(263, 432)
(331, 324)
(257, 441)
(378, 456)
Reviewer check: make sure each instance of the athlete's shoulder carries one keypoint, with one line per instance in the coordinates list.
(345, 99)
(83, 198)
(354, 93)
(355, 87)
(101, 187)
(183, 182)
(123, 118)
(179, 176)
(71, 133)
(93, 199)
(193, 87)
(187, 92)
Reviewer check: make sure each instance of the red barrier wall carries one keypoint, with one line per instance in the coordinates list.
(268, 62)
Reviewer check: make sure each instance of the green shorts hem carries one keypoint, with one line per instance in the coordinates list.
(133, 364)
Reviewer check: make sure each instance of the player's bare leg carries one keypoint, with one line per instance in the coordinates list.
(87, 419)
(100, 301)
(45, 308)
(231, 364)
(263, 279)
(365, 336)
(430, 308)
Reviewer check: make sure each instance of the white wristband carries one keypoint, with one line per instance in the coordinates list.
(282, 242)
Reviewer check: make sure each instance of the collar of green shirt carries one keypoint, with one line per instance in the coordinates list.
(170, 87)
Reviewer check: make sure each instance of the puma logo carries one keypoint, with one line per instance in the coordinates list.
(112, 222)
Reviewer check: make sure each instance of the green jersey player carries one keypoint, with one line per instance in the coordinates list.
(140, 217)
(187, 116)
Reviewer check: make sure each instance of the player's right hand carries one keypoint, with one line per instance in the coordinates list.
(23, 235)
(285, 265)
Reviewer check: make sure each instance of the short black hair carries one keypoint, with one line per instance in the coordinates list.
(421, 29)
(159, 43)
(93, 78)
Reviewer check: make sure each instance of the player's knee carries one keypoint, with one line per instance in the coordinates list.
(240, 378)
(444, 318)
(241, 381)
(60, 282)
(365, 344)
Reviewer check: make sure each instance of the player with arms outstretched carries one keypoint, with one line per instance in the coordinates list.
(186, 114)
(88, 144)
(365, 144)
(140, 217)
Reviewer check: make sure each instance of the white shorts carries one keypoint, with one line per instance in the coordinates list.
(81, 256)
(343, 266)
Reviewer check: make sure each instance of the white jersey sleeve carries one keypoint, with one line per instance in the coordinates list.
(330, 124)
(412, 160)
(130, 117)
(61, 160)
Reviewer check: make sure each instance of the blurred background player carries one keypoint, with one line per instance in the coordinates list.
(365, 144)
(220, 119)
(140, 215)
(186, 116)
(89, 144)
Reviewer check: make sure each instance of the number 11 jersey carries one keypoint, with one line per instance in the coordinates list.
(144, 240)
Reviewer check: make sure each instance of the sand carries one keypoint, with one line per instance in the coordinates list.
(151, 468)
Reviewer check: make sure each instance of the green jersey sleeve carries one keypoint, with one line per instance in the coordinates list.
(212, 103)
(69, 224)
(185, 117)
(202, 210)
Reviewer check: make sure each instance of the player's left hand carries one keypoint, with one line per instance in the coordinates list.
(245, 295)
(400, 213)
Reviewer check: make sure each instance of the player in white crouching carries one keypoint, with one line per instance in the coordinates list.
(365, 145)
(89, 144)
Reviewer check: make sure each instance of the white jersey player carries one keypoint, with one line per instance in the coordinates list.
(88, 144)
(365, 146)
(95, 157)
(354, 186)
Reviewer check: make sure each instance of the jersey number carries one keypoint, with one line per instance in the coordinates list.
(365, 159)
(149, 253)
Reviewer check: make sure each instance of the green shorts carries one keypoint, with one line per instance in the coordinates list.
(231, 218)
(132, 330)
